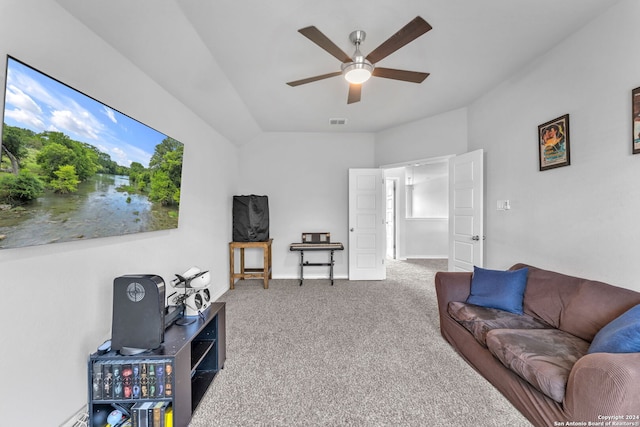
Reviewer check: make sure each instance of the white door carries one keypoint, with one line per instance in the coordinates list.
(466, 222)
(390, 217)
(366, 224)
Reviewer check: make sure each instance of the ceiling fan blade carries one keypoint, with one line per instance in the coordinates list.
(313, 34)
(404, 75)
(407, 34)
(314, 79)
(354, 93)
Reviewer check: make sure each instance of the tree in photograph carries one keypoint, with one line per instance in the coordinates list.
(162, 189)
(13, 147)
(167, 145)
(173, 165)
(166, 172)
(15, 165)
(20, 188)
(67, 180)
(105, 164)
(52, 157)
(61, 150)
(87, 161)
(135, 172)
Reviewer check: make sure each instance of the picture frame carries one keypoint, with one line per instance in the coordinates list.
(553, 143)
(635, 120)
(86, 169)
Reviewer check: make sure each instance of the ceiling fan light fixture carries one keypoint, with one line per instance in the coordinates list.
(357, 72)
(358, 68)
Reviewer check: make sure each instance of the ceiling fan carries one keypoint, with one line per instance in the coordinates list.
(357, 69)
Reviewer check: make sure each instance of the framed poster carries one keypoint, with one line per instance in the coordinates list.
(553, 143)
(635, 120)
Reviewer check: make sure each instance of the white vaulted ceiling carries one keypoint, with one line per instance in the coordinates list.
(229, 60)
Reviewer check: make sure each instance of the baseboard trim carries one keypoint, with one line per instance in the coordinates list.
(79, 419)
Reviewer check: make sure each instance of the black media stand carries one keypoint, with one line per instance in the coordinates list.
(177, 374)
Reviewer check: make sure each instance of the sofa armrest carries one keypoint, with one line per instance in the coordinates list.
(452, 286)
(603, 384)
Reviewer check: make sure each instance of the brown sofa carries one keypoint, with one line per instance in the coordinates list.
(597, 387)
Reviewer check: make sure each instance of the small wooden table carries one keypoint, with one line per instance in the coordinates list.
(258, 273)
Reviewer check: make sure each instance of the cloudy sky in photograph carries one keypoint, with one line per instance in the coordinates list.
(40, 103)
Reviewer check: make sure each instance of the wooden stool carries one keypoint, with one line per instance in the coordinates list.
(260, 273)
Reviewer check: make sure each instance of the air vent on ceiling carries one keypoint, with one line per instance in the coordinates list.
(337, 121)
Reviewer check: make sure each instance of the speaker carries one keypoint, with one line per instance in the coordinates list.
(138, 312)
(197, 302)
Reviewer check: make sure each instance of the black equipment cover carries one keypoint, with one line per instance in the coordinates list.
(250, 218)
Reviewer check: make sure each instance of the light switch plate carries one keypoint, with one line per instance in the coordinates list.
(503, 205)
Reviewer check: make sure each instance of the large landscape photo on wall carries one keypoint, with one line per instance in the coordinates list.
(72, 168)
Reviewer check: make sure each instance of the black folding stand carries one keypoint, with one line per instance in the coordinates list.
(316, 242)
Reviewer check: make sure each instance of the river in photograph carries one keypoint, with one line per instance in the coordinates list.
(97, 209)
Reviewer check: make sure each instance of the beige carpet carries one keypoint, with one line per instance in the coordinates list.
(365, 353)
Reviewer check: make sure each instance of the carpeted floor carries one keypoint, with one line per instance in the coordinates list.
(366, 353)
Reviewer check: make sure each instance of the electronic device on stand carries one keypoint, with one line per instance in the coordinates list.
(138, 313)
(195, 298)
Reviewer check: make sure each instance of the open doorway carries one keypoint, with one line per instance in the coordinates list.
(420, 209)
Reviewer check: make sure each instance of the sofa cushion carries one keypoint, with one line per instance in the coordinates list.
(480, 320)
(622, 335)
(594, 306)
(579, 306)
(548, 293)
(503, 290)
(542, 357)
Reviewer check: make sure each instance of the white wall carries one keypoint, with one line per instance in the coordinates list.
(426, 238)
(427, 231)
(57, 298)
(305, 176)
(581, 219)
(431, 198)
(437, 136)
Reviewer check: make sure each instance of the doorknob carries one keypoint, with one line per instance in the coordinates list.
(476, 237)
(351, 229)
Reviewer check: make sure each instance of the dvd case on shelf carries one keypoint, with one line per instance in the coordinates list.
(131, 379)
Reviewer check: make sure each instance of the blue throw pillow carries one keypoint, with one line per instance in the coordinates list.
(503, 290)
(621, 335)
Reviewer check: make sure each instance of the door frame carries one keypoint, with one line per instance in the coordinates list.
(391, 235)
